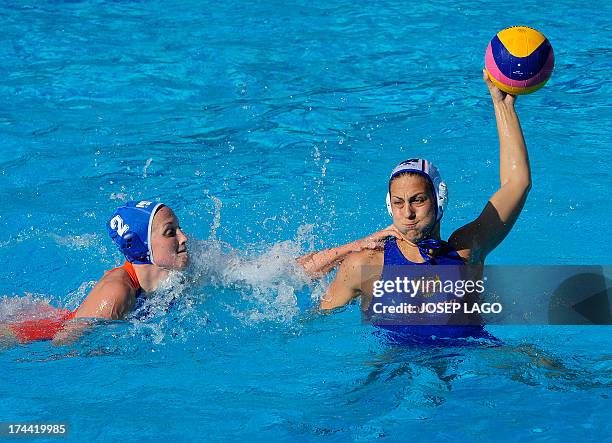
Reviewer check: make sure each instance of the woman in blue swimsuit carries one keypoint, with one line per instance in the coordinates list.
(417, 201)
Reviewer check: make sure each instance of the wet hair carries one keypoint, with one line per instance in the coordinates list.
(430, 187)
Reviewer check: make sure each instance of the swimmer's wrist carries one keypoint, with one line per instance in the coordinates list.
(503, 106)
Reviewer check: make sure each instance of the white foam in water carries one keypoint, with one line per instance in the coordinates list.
(170, 311)
(217, 217)
(267, 280)
(75, 298)
(23, 236)
(29, 307)
(262, 288)
(146, 166)
(76, 241)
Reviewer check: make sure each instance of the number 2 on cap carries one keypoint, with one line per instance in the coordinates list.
(117, 224)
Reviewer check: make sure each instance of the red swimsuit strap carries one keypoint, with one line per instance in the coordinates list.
(129, 268)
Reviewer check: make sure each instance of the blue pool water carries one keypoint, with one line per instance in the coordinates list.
(270, 128)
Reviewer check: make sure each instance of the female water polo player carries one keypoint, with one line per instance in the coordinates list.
(417, 200)
(149, 236)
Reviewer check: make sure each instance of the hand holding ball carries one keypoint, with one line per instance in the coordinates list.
(519, 60)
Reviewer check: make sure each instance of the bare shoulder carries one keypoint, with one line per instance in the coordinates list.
(117, 282)
(112, 297)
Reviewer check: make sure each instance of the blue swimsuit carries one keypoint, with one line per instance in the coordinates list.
(393, 263)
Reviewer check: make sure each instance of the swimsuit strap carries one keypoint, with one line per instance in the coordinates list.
(129, 268)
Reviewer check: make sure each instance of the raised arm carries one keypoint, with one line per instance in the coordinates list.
(317, 264)
(477, 239)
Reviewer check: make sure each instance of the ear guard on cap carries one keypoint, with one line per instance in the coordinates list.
(429, 171)
(130, 229)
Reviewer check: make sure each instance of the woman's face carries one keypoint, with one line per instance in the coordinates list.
(168, 242)
(413, 206)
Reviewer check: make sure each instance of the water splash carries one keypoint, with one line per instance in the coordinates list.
(266, 282)
(75, 298)
(216, 223)
(76, 241)
(29, 307)
(146, 167)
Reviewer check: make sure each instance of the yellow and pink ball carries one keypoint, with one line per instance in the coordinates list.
(519, 60)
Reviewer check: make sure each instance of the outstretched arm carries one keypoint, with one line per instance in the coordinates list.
(476, 239)
(317, 264)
